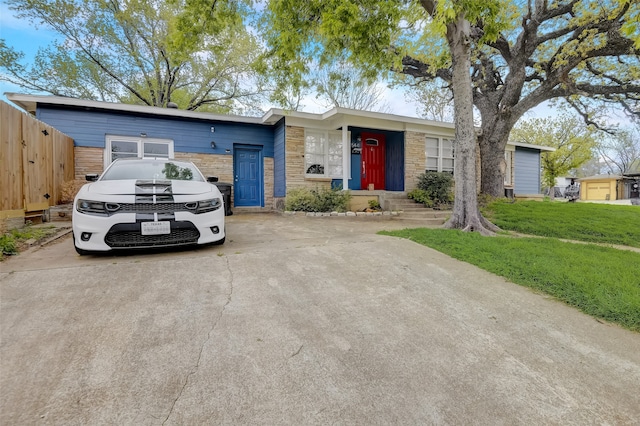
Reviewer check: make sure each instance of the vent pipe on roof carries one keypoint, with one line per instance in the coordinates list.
(172, 105)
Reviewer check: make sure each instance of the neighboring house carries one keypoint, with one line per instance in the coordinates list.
(631, 185)
(610, 187)
(600, 188)
(264, 157)
(563, 181)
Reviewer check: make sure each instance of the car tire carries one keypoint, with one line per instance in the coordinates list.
(81, 252)
(219, 242)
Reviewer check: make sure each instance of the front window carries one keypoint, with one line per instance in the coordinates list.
(323, 153)
(127, 147)
(440, 154)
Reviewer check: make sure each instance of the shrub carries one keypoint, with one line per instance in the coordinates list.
(421, 196)
(69, 189)
(434, 189)
(317, 200)
(437, 185)
(8, 245)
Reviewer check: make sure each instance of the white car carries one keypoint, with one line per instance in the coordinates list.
(147, 203)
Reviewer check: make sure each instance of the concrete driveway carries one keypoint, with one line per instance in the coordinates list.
(299, 321)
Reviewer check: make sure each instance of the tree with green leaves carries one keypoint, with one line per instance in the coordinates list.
(141, 52)
(584, 52)
(574, 142)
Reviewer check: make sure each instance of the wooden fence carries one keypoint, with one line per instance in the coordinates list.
(35, 159)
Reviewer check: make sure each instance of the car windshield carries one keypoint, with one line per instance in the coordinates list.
(160, 169)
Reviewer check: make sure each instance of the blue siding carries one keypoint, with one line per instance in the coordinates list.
(279, 165)
(395, 162)
(89, 128)
(527, 171)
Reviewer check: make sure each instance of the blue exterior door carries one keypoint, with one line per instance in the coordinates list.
(248, 185)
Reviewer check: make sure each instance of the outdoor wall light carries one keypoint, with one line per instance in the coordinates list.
(227, 150)
(143, 135)
(213, 145)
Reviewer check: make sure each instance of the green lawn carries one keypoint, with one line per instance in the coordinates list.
(11, 241)
(600, 281)
(598, 223)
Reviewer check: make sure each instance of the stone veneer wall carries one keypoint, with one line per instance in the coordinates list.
(415, 159)
(294, 160)
(88, 160)
(269, 200)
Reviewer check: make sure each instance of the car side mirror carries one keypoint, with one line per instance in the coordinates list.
(91, 177)
(212, 179)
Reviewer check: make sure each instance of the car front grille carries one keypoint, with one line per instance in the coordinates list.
(123, 236)
(152, 208)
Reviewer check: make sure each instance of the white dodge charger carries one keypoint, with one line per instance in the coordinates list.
(147, 203)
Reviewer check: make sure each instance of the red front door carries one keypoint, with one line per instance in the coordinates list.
(372, 167)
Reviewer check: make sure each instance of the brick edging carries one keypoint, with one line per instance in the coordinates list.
(342, 214)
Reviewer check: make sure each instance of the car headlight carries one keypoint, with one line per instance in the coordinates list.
(97, 208)
(205, 206)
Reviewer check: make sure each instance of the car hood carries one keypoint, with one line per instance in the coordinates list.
(150, 186)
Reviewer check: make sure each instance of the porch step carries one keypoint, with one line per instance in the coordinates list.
(409, 210)
(426, 217)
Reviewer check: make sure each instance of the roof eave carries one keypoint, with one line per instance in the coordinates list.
(30, 103)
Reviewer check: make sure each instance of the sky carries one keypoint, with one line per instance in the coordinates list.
(22, 36)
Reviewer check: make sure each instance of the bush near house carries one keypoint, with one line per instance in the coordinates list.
(317, 200)
(69, 189)
(433, 189)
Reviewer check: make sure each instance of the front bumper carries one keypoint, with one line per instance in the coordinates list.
(122, 231)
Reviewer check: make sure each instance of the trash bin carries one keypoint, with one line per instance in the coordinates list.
(225, 190)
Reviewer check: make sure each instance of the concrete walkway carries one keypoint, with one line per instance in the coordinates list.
(299, 321)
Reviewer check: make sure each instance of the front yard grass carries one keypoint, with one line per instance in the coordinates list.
(13, 241)
(597, 223)
(600, 281)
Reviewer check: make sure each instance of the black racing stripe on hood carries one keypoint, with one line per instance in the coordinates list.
(154, 186)
(154, 191)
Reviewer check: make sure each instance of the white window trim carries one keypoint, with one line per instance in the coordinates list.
(137, 139)
(508, 159)
(338, 135)
(440, 157)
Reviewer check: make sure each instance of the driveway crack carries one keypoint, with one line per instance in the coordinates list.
(209, 333)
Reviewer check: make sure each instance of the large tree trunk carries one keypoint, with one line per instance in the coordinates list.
(491, 165)
(466, 214)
